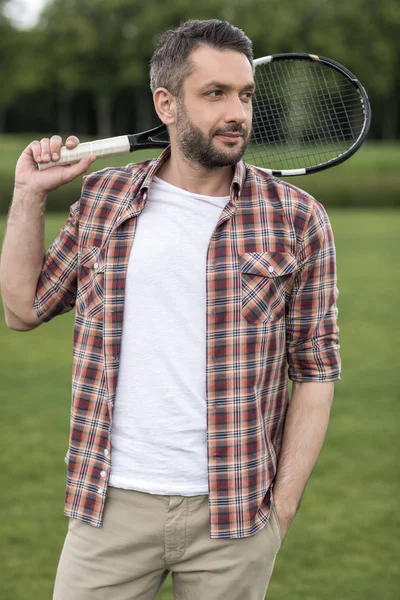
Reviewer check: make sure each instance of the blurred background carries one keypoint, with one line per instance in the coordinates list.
(81, 67)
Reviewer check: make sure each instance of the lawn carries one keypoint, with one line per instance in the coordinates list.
(344, 543)
(373, 156)
(371, 178)
(13, 144)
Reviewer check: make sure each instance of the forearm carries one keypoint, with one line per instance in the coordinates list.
(23, 253)
(304, 433)
(22, 259)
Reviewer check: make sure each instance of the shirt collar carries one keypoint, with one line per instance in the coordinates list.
(154, 166)
(237, 181)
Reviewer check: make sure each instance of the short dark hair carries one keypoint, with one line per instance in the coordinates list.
(170, 64)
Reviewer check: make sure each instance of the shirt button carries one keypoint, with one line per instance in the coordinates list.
(103, 474)
(271, 269)
(106, 452)
(96, 266)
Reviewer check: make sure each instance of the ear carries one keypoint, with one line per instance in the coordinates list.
(165, 105)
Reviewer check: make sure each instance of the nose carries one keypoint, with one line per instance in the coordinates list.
(237, 111)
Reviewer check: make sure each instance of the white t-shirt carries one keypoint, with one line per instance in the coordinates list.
(159, 425)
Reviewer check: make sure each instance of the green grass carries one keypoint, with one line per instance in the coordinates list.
(12, 145)
(344, 543)
(373, 156)
(370, 178)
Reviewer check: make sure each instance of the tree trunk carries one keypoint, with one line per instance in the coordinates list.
(64, 114)
(3, 113)
(82, 118)
(391, 108)
(121, 120)
(144, 109)
(104, 115)
(390, 121)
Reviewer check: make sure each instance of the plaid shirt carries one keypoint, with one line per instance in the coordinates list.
(271, 302)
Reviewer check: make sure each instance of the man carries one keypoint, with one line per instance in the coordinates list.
(196, 279)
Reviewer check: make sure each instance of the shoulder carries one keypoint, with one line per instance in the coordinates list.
(299, 208)
(115, 178)
(105, 196)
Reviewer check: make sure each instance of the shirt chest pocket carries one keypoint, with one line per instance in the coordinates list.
(90, 292)
(266, 282)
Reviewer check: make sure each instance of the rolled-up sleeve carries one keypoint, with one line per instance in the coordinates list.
(56, 289)
(312, 329)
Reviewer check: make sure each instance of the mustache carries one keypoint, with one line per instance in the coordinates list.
(234, 128)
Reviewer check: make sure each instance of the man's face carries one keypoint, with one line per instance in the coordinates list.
(214, 111)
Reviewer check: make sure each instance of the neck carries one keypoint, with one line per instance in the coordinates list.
(178, 171)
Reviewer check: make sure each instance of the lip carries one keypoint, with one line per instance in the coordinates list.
(229, 137)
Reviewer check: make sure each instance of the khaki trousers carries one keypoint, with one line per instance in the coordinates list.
(145, 536)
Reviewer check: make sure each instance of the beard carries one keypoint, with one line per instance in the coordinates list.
(197, 147)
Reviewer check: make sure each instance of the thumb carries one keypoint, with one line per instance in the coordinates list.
(70, 172)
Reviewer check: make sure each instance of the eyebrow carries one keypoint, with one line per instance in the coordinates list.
(226, 87)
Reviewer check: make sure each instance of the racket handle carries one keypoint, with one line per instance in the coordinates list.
(99, 148)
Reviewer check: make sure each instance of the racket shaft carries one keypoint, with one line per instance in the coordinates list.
(99, 148)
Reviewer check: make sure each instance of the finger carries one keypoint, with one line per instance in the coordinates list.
(35, 150)
(45, 150)
(55, 147)
(72, 141)
(72, 171)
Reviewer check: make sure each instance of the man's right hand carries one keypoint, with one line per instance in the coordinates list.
(29, 179)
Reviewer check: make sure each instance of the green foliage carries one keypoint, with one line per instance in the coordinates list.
(103, 47)
(344, 544)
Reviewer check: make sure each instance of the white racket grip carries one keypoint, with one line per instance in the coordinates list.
(99, 148)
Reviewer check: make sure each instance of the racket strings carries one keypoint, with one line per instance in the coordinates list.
(304, 114)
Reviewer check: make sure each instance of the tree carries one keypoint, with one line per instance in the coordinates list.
(99, 46)
(20, 69)
(101, 49)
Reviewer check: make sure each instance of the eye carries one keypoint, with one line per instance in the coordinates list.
(247, 96)
(215, 93)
